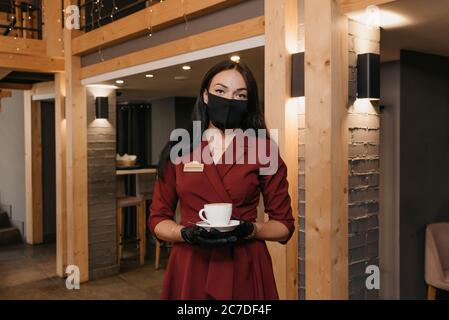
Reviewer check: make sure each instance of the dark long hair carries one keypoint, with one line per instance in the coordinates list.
(254, 118)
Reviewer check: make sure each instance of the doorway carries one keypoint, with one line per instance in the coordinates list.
(40, 172)
(414, 119)
(48, 170)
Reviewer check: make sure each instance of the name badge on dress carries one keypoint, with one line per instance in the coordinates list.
(193, 166)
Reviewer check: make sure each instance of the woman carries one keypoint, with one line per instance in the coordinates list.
(222, 265)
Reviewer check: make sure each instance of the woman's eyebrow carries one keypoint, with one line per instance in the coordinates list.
(220, 84)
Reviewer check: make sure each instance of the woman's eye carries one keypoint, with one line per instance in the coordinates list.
(219, 91)
(242, 96)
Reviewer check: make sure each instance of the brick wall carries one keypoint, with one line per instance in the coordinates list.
(302, 202)
(301, 166)
(364, 134)
(101, 145)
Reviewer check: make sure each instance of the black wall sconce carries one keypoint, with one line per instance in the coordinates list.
(368, 76)
(101, 108)
(297, 85)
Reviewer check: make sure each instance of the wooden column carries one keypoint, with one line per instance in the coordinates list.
(61, 168)
(18, 16)
(76, 153)
(280, 36)
(52, 31)
(33, 171)
(25, 24)
(326, 77)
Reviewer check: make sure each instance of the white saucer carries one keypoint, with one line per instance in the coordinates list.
(222, 228)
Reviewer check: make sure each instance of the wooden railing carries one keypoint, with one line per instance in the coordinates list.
(21, 19)
(97, 13)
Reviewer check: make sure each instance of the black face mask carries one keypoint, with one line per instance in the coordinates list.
(226, 113)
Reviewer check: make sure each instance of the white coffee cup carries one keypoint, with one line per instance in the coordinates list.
(216, 214)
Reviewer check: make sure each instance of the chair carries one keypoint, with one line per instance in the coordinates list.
(145, 189)
(124, 201)
(437, 258)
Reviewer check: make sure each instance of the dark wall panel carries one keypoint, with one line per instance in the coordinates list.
(183, 112)
(48, 169)
(424, 161)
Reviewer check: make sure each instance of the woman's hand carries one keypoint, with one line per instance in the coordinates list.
(272, 230)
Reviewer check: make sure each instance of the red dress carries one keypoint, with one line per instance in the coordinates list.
(244, 271)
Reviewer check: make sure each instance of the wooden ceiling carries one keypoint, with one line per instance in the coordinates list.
(21, 80)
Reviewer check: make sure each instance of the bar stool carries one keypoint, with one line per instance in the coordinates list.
(145, 189)
(123, 202)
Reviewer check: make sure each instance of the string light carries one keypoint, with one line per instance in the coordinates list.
(13, 17)
(26, 20)
(13, 21)
(100, 5)
(96, 8)
(28, 12)
(114, 8)
(150, 21)
(91, 16)
(150, 27)
(184, 15)
(59, 21)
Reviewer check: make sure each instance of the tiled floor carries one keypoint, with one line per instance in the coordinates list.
(29, 272)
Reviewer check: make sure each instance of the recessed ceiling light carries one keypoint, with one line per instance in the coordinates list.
(235, 58)
(181, 78)
(119, 81)
(103, 86)
(186, 67)
(149, 75)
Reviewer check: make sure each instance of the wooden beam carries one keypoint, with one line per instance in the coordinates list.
(76, 156)
(229, 33)
(4, 72)
(18, 15)
(30, 47)
(15, 86)
(356, 5)
(33, 171)
(326, 162)
(43, 88)
(19, 62)
(61, 168)
(280, 34)
(5, 94)
(25, 23)
(52, 28)
(160, 15)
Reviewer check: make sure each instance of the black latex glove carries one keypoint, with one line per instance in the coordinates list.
(243, 230)
(195, 235)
